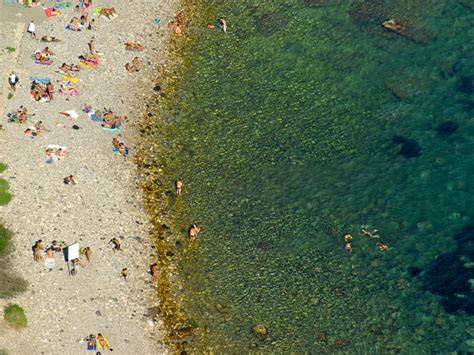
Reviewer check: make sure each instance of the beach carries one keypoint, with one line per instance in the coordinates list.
(106, 202)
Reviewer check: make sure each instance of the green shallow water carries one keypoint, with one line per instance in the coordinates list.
(283, 133)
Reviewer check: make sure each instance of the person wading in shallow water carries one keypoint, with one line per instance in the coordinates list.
(154, 272)
(179, 186)
(193, 232)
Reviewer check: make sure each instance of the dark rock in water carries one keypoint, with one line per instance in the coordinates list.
(341, 343)
(466, 86)
(157, 88)
(449, 274)
(268, 24)
(409, 147)
(414, 271)
(447, 128)
(169, 253)
(157, 182)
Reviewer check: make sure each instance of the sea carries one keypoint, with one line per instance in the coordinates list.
(306, 121)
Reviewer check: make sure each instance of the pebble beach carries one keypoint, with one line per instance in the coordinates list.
(106, 202)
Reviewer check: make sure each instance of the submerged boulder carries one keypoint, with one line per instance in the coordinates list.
(260, 330)
(270, 23)
(447, 128)
(409, 147)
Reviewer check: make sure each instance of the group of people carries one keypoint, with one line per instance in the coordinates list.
(42, 92)
(19, 116)
(43, 56)
(365, 232)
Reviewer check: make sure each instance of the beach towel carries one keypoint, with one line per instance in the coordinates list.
(117, 151)
(68, 27)
(48, 11)
(96, 11)
(74, 92)
(48, 62)
(93, 117)
(39, 79)
(111, 129)
(62, 5)
(106, 341)
(70, 113)
(71, 79)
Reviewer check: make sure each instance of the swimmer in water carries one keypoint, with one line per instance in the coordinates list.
(179, 186)
(382, 246)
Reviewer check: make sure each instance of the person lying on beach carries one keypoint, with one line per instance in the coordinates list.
(70, 180)
(134, 66)
(124, 273)
(193, 232)
(154, 272)
(117, 245)
(110, 120)
(69, 69)
(68, 89)
(119, 147)
(40, 128)
(103, 342)
(108, 13)
(47, 38)
(46, 51)
(41, 57)
(134, 46)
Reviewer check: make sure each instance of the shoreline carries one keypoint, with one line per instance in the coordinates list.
(106, 203)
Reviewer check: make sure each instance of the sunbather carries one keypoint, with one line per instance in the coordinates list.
(134, 46)
(134, 66)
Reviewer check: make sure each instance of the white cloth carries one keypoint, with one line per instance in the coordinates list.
(12, 79)
(31, 27)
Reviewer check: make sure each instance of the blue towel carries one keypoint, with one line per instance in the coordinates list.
(40, 79)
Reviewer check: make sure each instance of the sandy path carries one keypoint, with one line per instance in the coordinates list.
(63, 309)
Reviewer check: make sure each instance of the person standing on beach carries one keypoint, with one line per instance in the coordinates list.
(125, 273)
(117, 245)
(50, 90)
(179, 186)
(13, 80)
(91, 45)
(32, 29)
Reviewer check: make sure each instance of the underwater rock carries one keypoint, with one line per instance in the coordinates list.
(157, 88)
(448, 276)
(270, 23)
(322, 336)
(466, 348)
(466, 85)
(260, 330)
(409, 147)
(447, 128)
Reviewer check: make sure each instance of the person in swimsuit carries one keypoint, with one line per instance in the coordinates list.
(154, 272)
(179, 186)
(117, 245)
(193, 232)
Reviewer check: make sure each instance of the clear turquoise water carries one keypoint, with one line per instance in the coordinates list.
(283, 134)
